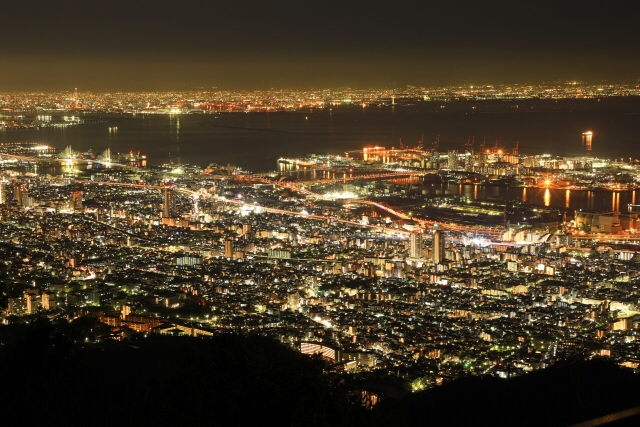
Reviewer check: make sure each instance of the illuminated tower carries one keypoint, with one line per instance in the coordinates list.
(76, 201)
(169, 209)
(438, 247)
(415, 245)
(587, 138)
(228, 248)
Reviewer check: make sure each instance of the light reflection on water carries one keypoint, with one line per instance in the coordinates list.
(547, 197)
(562, 198)
(569, 200)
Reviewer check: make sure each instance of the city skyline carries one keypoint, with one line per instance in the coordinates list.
(295, 211)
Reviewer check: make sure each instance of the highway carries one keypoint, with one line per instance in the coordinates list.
(240, 203)
(608, 238)
(135, 236)
(488, 232)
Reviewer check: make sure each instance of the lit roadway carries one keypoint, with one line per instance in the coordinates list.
(389, 175)
(122, 184)
(428, 223)
(381, 176)
(493, 233)
(308, 215)
(88, 218)
(608, 238)
(197, 195)
(424, 223)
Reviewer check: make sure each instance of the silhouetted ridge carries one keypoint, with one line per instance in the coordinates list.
(48, 372)
(561, 395)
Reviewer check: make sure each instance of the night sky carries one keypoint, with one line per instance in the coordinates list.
(168, 45)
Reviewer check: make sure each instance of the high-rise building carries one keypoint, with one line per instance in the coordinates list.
(17, 305)
(48, 301)
(16, 192)
(21, 194)
(228, 248)
(246, 229)
(3, 192)
(438, 247)
(415, 245)
(452, 159)
(169, 209)
(32, 303)
(76, 201)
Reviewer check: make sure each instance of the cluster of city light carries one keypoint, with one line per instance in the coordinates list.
(296, 229)
(340, 195)
(187, 102)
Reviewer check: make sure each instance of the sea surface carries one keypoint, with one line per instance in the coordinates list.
(254, 141)
(568, 201)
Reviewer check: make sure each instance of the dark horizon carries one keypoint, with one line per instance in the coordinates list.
(138, 46)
